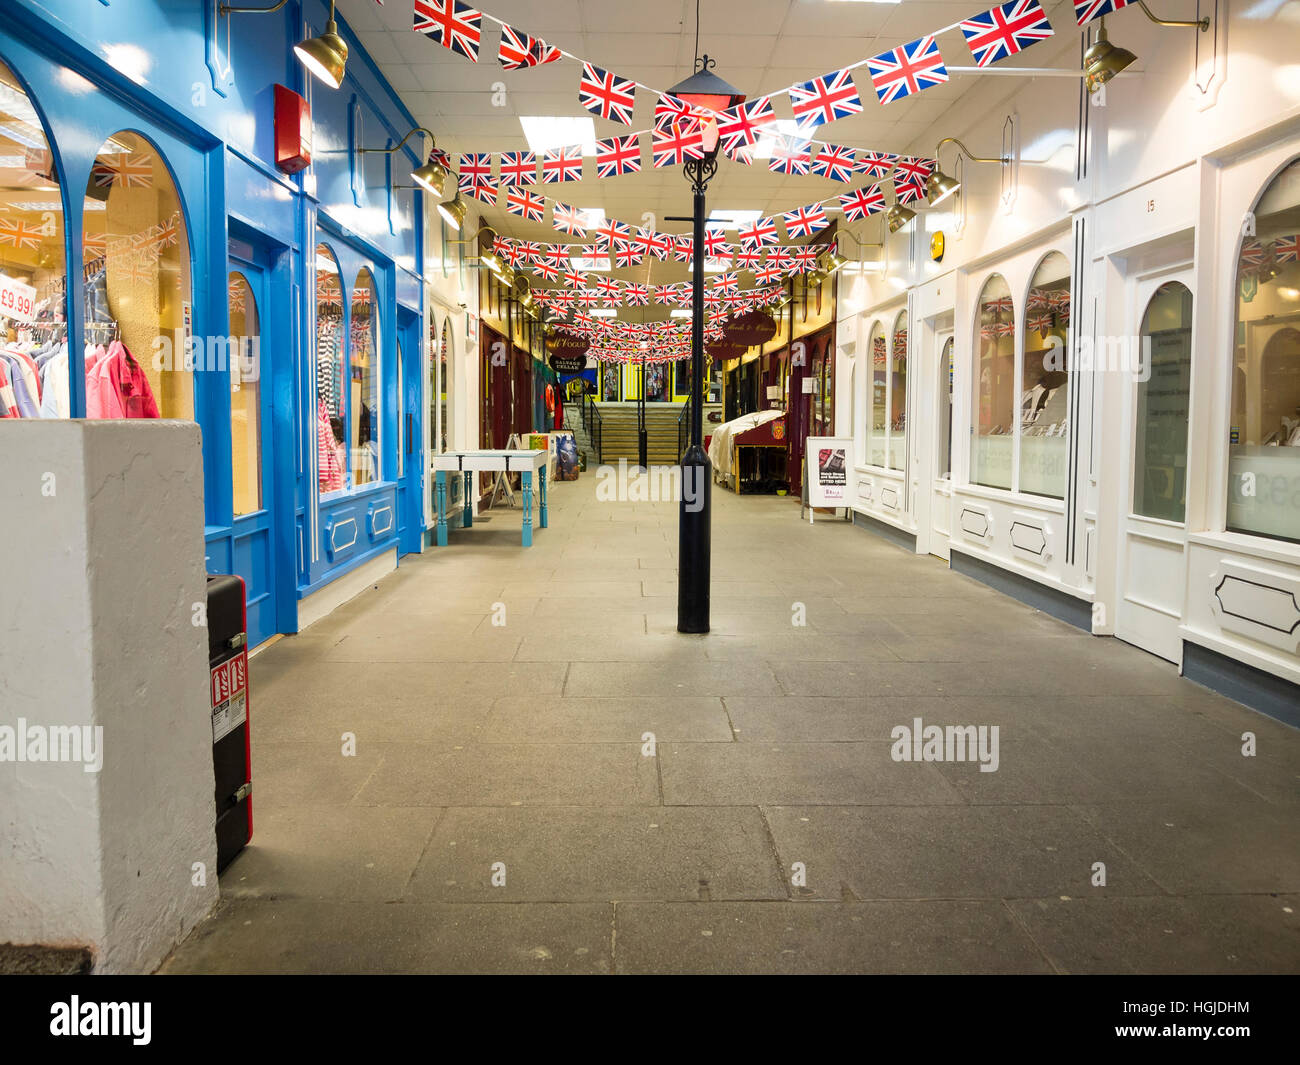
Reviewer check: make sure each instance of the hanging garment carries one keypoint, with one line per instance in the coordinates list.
(119, 388)
(24, 404)
(8, 401)
(329, 474)
(54, 377)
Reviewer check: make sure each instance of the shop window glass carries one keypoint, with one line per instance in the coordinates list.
(401, 411)
(995, 379)
(1264, 434)
(245, 396)
(139, 318)
(945, 410)
(1044, 397)
(443, 346)
(331, 362)
(876, 423)
(363, 400)
(33, 289)
(1160, 466)
(898, 394)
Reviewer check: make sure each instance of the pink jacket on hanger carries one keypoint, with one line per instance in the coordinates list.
(118, 388)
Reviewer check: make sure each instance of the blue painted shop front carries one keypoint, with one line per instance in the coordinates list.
(177, 247)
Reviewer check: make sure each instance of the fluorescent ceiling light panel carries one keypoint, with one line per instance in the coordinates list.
(767, 141)
(604, 312)
(545, 133)
(679, 312)
(590, 263)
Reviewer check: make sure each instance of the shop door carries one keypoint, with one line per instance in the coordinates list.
(941, 463)
(410, 433)
(251, 351)
(1152, 568)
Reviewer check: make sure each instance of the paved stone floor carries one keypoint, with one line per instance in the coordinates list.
(523, 744)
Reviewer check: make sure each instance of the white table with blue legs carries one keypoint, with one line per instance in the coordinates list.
(469, 463)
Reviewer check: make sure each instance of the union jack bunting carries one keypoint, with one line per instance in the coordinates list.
(738, 152)
(509, 250)
(636, 296)
(781, 258)
(587, 298)
(825, 99)
(557, 255)
(665, 294)
(573, 278)
(563, 299)
(611, 229)
(749, 258)
(135, 171)
(547, 271)
(908, 69)
(1252, 252)
(875, 164)
(683, 249)
(1087, 10)
(610, 291)
(908, 192)
(862, 202)
(606, 94)
(519, 50)
(650, 243)
(567, 219)
(727, 282)
(21, 235)
(1041, 322)
(912, 169)
(627, 254)
(791, 155)
(562, 164)
(518, 168)
(805, 221)
(677, 113)
(713, 300)
(451, 24)
(1287, 249)
(475, 177)
(760, 234)
(1004, 30)
(616, 156)
(741, 124)
(715, 243)
(531, 250)
(525, 204)
(805, 258)
(834, 161)
(672, 145)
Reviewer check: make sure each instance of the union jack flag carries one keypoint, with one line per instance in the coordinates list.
(761, 233)
(134, 172)
(677, 113)
(475, 177)
(618, 155)
(738, 152)
(1252, 252)
(606, 94)
(531, 250)
(1087, 10)
(727, 282)
(913, 169)
(672, 145)
(805, 259)
(1287, 249)
(509, 250)
(805, 221)
(749, 258)
(665, 294)
(834, 161)
(562, 164)
(547, 271)
(1004, 30)
(683, 249)
(1042, 322)
(609, 289)
(907, 191)
(713, 300)
(611, 229)
(791, 155)
(519, 50)
(451, 24)
(627, 254)
(875, 164)
(825, 99)
(781, 258)
(741, 124)
(636, 296)
(571, 278)
(557, 255)
(525, 204)
(650, 243)
(862, 202)
(568, 220)
(563, 299)
(21, 235)
(519, 168)
(997, 305)
(908, 69)
(587, 298)
(715, 243)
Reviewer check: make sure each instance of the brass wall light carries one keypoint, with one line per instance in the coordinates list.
(432, 174)
(898, 216)
(940, 186)
(835, 262)
(325, 56)
(488, 256)
(1103, 60)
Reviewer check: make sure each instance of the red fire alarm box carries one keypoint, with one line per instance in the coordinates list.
(292, 131)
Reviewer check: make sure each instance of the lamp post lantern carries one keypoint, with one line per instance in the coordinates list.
(707, 91)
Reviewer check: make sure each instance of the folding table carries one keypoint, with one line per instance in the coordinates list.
(468, 463)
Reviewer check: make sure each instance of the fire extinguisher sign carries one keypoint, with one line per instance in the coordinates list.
(229, 695)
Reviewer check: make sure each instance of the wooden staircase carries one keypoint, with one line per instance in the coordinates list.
(619, 433)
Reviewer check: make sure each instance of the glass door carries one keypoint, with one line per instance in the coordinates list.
(941, 464)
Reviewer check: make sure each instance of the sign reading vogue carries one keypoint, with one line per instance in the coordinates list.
(828, 471)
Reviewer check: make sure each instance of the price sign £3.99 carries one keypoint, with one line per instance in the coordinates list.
(17, 299)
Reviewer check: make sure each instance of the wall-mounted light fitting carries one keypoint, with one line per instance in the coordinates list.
(432, 174)
(939, 186)
(898, 216)
(325, 56)
(1103, 60)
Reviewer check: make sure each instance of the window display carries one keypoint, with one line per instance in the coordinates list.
(1160, 462)
(945, 410)
(1044, 395)
(245, 396)
(363, 367)
(995, 374)
(443, 387)
(139, 318)
(1264, 434)
(876, 423)
(331, 360)
(898, 394)
(33, 290)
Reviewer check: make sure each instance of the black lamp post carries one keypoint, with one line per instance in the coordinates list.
(705, 90)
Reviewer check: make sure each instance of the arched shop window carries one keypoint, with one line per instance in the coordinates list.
(995, 382)
(245, 395)
(1264, 436)
(1160, 462)
(331, 380)
(876, 400)
(1044, 397)
(444, 350)
(363, 364)
(944, 453)
(898, 393)
(33, 287)
(138, 311)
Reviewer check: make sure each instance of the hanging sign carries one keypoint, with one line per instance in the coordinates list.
(828, 470)
(569, 364)
(17, 299)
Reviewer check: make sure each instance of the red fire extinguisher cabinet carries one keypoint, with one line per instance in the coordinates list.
(231, 746)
